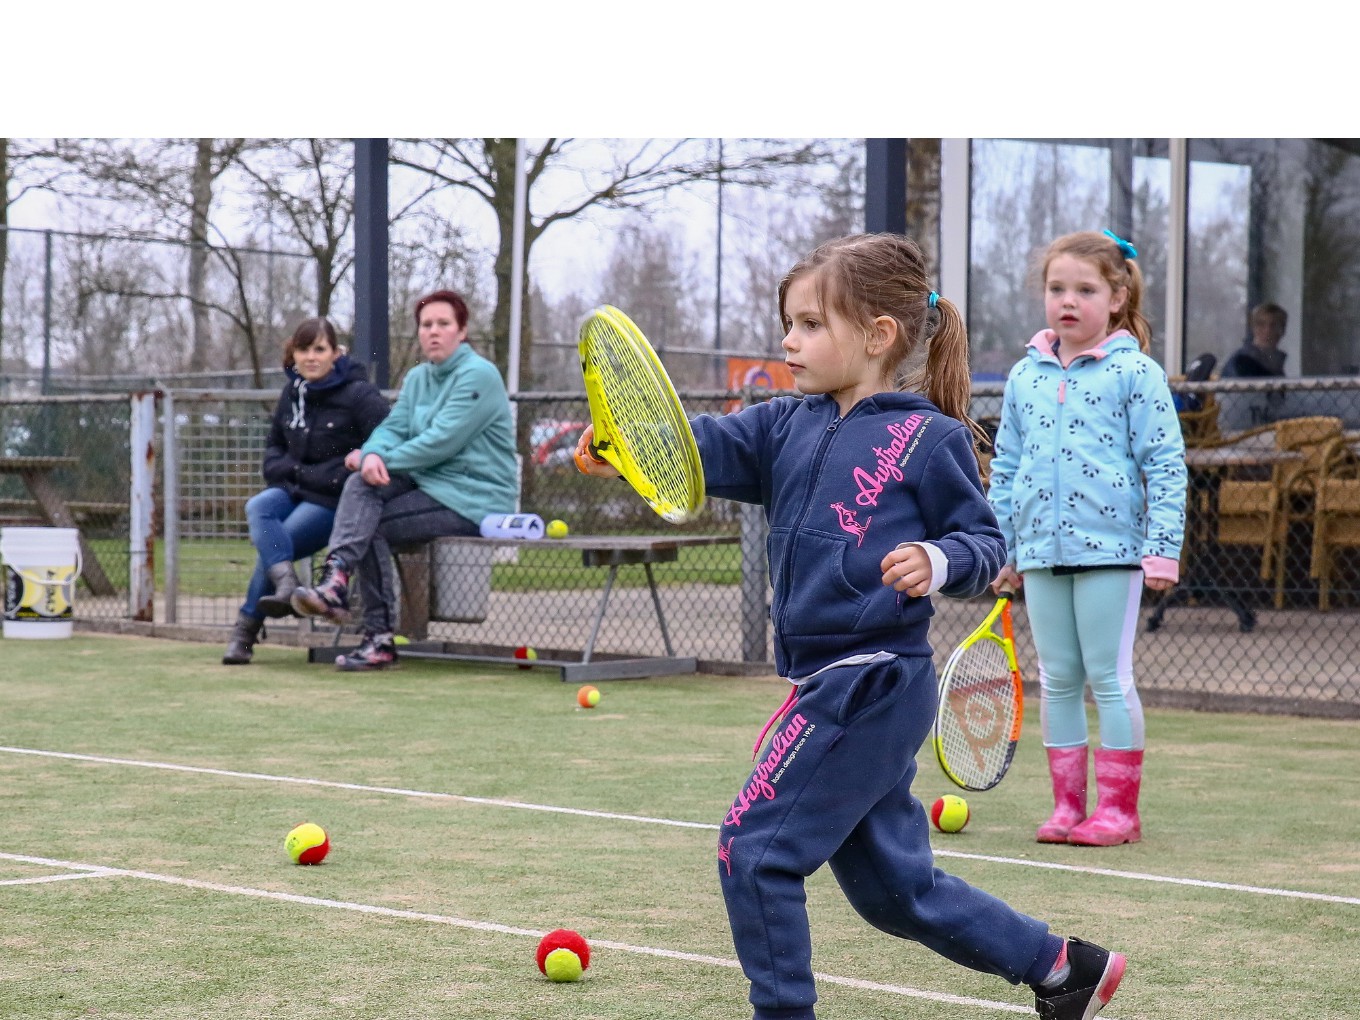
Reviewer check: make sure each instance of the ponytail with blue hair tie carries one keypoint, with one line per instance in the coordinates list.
(1125, 248)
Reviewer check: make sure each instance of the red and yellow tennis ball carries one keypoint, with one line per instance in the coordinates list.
(557, 528)
(588, 696)
(949, 813)
(563, 955)
(527, 653)
(307, 844)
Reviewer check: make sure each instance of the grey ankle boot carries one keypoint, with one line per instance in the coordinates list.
(243, 637)
(285, 581)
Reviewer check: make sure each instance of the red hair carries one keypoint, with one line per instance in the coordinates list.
(460, 308)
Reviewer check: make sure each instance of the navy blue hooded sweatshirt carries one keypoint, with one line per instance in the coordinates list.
(840, 494)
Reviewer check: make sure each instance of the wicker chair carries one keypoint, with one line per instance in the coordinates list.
(1259, 512)
(1336, 515)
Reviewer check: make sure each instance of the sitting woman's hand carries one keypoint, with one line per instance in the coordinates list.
(589, 464)
(374, 470)
(352, 460)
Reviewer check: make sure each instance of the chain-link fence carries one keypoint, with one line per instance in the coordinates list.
(1264, 617)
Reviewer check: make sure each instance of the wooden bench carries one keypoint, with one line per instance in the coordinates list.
(608, 551)
(84, 512)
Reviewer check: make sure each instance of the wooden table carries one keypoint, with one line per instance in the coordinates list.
(36, 473)
(611, 551)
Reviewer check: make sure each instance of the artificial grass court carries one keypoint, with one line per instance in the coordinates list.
(472, 809)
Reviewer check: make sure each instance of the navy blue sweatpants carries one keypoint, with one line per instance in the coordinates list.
(833, 783)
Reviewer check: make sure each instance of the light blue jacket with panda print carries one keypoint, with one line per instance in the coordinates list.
(1089, 468)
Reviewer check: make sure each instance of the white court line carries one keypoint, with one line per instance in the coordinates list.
(1135, 876)
(90, 870)
(101, 873)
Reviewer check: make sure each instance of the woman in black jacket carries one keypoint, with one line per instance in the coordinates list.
(325, 412)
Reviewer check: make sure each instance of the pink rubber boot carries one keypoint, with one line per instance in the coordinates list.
(1119, 774)
(1067, 766)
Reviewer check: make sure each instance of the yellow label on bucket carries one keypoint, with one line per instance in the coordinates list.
(38, 593)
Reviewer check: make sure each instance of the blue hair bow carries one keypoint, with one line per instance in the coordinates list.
(1125, 248)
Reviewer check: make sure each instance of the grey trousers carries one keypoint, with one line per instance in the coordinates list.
(370, 521)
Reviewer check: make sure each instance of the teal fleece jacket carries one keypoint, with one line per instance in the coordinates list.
(1089, 468)
(452, 431)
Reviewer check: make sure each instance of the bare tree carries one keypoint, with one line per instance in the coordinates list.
(635, 173)
(310, 182)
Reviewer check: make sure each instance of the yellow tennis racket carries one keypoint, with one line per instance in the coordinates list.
(639, 426)
(977, 723)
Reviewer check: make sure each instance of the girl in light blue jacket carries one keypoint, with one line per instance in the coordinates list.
(1088, 484)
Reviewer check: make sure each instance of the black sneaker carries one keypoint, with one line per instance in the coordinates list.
(1095, 976)
(378, 651)
(330, 598)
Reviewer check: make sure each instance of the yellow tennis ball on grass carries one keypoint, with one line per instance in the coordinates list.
(562, 965)
(557, 529)
(563, 955)
(588, 696)
(949, 813)
(307, 844)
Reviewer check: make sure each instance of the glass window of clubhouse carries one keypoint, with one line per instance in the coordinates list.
(1222, 226)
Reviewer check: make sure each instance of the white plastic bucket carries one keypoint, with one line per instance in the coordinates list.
(41, 569)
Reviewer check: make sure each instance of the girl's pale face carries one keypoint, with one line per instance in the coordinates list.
(1078, 302)
(314, 363)
(826, 353)
(440, 333)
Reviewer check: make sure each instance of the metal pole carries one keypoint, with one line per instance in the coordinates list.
(717, 304)
(170, 501)
(47, 313)
(1173, 355)
(371, 326)
(517, 267)
(141, 507)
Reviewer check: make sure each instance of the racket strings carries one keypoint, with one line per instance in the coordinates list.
(654, 433)
(976, 721)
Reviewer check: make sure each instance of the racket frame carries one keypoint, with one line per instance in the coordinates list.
(983, 632)
(609, 443)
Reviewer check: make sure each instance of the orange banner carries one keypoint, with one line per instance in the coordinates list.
(757, 373)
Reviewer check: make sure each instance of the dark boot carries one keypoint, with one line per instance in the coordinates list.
(330, 598)
(378, 651)
(285, 581)
(243, 637)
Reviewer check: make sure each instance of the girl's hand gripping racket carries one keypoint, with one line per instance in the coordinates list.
(977, 724)
(637, 424)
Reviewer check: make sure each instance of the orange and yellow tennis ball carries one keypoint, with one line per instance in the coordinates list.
(563, 955)
(588, 696)
(557, 528)
(526, 653)
(949, 813)
(307, 844)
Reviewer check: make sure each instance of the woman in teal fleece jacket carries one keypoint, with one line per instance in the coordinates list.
(443, 460)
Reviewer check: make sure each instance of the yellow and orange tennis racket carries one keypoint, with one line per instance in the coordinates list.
(639, 425)
(977, 723)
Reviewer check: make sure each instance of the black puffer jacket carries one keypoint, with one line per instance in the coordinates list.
(315, 426)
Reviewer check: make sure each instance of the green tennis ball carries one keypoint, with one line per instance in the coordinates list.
(563, 965)
(563, 955)
(949, 813)
(557, 529)
(307, 844)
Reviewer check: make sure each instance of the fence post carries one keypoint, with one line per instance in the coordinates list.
(170, 504)
(755, 614)
(141, 508)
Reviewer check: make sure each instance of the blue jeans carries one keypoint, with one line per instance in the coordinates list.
(282, 529)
